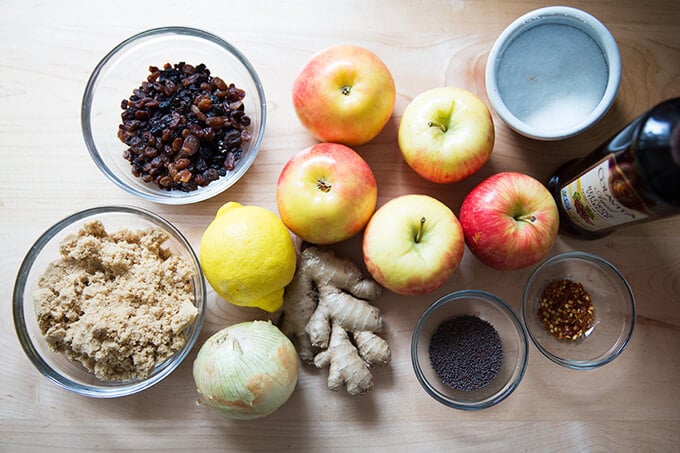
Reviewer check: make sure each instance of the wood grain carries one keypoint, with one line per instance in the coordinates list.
(48, 51)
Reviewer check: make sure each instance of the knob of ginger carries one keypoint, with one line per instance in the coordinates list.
(328, 316)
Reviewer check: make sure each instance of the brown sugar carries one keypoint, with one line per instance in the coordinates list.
(117, 303)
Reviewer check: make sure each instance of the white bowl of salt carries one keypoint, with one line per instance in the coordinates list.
(553, 73)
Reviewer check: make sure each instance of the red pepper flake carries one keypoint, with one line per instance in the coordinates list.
(565, 309)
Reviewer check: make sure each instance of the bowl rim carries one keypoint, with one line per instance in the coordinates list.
(595, 29)
(580, 364)
(18, 294)
(500, 304)
(178, 198)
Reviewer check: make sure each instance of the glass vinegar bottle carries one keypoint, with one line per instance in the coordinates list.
(634, 177)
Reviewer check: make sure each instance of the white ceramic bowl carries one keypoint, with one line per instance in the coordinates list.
(125, 67)
(553, 73)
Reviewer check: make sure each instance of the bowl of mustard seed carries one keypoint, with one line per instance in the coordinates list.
(469, 350)
(579, 310)
(174, 115)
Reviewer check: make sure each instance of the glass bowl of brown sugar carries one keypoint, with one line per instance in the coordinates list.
(174, 115)
(109, 301)
(579, 310)
(469, 350)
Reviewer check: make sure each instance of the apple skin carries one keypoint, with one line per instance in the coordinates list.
(510, 221)
(446, 134)
(344, 94)
(404, 263)
(326, 193)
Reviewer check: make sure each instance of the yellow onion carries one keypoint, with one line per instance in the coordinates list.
(247, 370)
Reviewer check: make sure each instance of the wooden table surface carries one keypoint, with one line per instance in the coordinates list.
(48, 50)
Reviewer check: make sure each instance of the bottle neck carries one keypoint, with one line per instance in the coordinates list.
(657, 151)
(675, 145)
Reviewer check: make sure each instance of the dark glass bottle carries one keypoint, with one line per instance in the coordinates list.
(632, 178)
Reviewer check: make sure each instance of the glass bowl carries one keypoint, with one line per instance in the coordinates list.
(612, 300)
(513, 338)
(56, 366)
(125, 67)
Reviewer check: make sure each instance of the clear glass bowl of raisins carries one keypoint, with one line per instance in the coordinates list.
(579, 310)
(174, 115)
(469, 350)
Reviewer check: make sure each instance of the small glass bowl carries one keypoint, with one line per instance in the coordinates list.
(613, 303)
(487, 307)
(124, 68)
(57, 367)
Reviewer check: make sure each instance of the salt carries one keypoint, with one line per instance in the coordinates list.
(552, 76)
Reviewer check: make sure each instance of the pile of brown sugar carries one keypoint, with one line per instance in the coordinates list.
(117, 303)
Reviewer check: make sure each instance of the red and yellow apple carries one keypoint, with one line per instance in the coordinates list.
(510, 221)
(413, 244)
(446, 134)
(326, 193)
(344, 94)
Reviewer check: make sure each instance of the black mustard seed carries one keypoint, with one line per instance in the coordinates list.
(466, 352)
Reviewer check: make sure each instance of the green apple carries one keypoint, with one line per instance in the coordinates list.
(446, 134)
(413, 244)
(344, 94)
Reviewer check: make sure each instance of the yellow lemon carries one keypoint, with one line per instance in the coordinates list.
(248, 256)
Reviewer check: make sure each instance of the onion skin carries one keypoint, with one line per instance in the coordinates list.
(246, 370)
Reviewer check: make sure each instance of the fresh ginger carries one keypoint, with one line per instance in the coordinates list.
(344, 360)
(327, 315)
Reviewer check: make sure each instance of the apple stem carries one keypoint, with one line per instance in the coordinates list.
(346, 89)
(437, 124)
(323, 185)
(419, 234)
(525, 218)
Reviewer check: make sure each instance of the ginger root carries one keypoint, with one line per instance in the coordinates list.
(327, 315)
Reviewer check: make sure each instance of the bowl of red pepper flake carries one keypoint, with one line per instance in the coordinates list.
(579, 310)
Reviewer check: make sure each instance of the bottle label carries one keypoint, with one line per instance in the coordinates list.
(591, 200)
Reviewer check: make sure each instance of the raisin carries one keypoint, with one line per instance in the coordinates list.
(183, 127)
